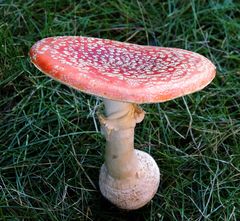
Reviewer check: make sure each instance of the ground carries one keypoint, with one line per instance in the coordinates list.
(51, 148)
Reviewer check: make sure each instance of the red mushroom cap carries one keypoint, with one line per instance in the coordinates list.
(122, 71)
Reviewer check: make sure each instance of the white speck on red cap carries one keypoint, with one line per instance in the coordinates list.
(122, 71)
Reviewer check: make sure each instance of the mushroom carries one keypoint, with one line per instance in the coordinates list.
(123, 75)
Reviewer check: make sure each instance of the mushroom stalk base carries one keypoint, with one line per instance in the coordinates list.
(129, 178)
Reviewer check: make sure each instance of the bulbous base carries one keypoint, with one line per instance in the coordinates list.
(133, 192)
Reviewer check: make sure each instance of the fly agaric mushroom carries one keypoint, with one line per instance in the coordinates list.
(124, 75)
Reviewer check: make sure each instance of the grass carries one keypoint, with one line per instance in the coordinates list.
(50, 145)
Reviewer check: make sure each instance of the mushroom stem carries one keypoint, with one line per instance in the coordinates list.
(129, 178)
(118, 127)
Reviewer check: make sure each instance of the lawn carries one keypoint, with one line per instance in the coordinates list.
(51, 148)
